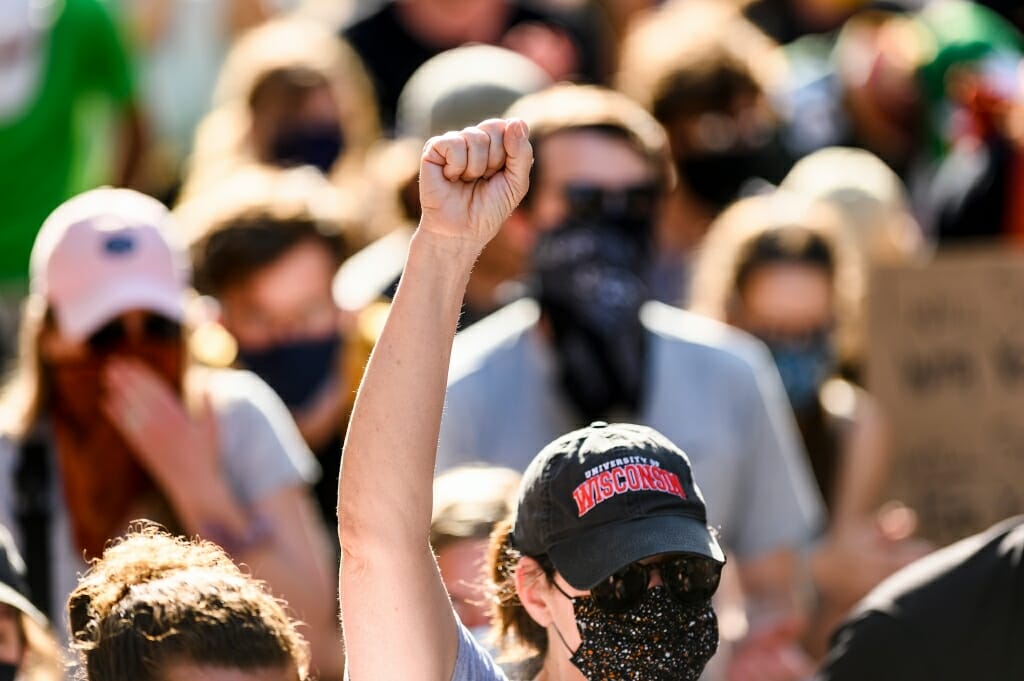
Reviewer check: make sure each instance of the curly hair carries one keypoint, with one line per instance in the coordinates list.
(153, 601)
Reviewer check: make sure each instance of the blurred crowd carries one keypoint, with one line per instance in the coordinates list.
(714, 182)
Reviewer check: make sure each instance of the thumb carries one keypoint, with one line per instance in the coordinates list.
(519, 157)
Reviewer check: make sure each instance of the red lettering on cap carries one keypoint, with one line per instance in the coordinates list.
(622, 480)
(619, 478)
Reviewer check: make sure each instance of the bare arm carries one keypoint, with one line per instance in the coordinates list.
(390, 587)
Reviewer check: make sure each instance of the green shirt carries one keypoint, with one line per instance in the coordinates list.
(44, 147)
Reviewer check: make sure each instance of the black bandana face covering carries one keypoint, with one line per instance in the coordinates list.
(589, 280)
(658, 640)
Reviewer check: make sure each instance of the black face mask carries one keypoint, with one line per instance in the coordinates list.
(8, 672)
(658, 640)
(314, 145)
(590, 280)
(720, 178)
(297, 371)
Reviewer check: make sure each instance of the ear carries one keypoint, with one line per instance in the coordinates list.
(532, 588)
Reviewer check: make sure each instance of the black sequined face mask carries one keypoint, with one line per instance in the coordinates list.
(658, 640)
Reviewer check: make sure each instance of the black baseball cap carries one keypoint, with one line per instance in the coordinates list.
(602, 497)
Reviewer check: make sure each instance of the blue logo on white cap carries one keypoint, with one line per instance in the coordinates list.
(120, 244)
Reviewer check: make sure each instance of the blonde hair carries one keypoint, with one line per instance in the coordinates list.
(715, 288)
(223, 138)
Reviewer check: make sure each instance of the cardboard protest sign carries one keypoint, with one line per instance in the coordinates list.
(946, 359)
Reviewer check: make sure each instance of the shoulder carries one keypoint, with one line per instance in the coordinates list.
(494, 341)
(703, 338)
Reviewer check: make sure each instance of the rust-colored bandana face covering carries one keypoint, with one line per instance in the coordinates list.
(101, 476)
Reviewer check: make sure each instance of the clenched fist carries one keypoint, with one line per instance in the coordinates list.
(472, 180)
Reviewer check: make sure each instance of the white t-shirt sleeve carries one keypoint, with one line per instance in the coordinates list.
(262, 450)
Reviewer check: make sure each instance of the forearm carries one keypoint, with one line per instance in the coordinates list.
(390, 448)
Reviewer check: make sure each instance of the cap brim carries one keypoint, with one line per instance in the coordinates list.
(83, 315)
(14, 599)
(590, 557)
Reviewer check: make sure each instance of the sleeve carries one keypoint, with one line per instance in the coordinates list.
(873, 646)
(472, 662)
(261, 448)
(106, 63)
(780, 505)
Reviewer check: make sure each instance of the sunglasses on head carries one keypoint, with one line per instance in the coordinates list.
(689, 579)
(630, 204)
(115, 333)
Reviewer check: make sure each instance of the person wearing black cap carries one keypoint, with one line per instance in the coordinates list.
(28, 650)
(614, 562)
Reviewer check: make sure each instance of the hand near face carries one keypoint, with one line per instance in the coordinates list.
(174, 446)
(472, 180)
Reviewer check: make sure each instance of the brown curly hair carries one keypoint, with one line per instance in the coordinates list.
(153, 600)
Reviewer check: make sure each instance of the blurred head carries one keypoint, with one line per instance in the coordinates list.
(608, 566)
(159, 608)
(870, 199)
(593, 138)
(700, 69)
(27, 647)
(107, 278)
(290, 93)
(468, 502)
(775, 267)
(266, 245)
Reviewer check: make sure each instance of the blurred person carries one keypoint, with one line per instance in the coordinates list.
(589, 344)
(64, 75)
(180, 46)
(468, 502)
(975, 192)
(449, 91)
(619, 591)
(401, 35)
(28, 648)
(289, 94)
(106, 420)
(702, 71)
(265, 245)
(956, 614)
(882, 84)
(158, 608)
(778, 268)
(870, 200)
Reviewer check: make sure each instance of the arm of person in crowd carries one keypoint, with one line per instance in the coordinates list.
(782, 512)
(279, 537)
(391, 590)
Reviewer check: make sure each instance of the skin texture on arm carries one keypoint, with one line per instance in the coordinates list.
(390, 587)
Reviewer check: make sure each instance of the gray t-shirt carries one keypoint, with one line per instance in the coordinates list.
(261, 452)
(473, 663)
(711, 389)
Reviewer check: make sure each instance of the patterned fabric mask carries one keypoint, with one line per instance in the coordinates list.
(659, 640)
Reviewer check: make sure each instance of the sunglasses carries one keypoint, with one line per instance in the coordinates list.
(115, 333)
(634, 204)
(689, 579)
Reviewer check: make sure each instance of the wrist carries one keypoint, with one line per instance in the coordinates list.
(437, 242)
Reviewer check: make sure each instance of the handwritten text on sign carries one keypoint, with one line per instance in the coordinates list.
(946, 359)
